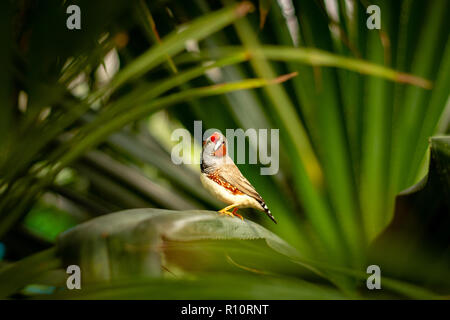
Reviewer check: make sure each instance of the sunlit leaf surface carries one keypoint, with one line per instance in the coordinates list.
(151, 241)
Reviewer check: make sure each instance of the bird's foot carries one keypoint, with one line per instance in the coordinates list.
(224, 212)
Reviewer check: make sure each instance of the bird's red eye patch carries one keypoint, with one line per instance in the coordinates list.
(213, 138)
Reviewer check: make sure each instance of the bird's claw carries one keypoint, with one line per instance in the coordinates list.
(226, 213)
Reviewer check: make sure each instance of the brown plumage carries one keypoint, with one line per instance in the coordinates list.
(221, 181)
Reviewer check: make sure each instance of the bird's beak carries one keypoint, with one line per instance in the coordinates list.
(218, 144)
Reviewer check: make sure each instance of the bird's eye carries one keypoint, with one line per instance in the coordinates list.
(213, 138)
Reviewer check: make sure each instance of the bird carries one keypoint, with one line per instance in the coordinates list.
(223, 179)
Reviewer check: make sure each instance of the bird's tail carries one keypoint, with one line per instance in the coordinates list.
(267, 211)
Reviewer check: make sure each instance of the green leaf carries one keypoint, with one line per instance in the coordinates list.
(415, 246)
(207, 287)
(144, 242)
(15, 276)
(175, 43)
(317, 57)
(414, 106)
(305, 165)
(142, 110)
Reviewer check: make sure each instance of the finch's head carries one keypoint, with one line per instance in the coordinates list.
(214, 153)
(215, 145)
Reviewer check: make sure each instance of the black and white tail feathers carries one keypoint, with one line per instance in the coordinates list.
(267, 211)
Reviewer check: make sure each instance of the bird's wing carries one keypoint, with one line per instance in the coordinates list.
(231, 174)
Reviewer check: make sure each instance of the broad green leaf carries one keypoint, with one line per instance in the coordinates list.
(415, 246)
(145, 242)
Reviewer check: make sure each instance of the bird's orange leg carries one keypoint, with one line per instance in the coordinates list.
(237, 214)
(225, 211)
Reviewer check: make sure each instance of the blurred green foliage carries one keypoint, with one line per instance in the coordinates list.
(48, 222)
